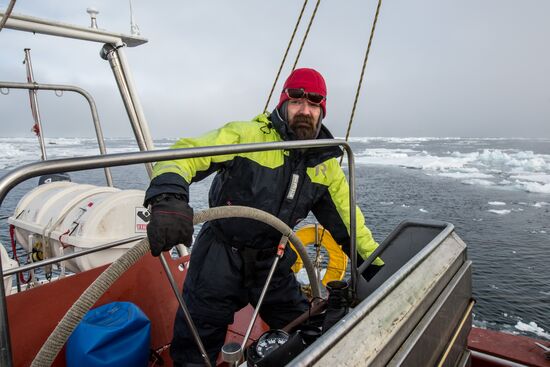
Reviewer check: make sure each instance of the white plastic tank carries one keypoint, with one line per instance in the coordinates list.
(7, 264)
(61, 217)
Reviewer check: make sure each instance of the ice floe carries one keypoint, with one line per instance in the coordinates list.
(479, 182)
(532, 327)
(514, 169)
(499, 211)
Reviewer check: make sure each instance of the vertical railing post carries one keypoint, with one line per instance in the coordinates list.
(109, 53)
(34, 104)
(5, 346)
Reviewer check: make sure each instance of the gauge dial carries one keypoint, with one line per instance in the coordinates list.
(270, 341)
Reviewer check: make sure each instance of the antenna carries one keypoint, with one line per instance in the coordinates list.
(93, 17)
(134, 28)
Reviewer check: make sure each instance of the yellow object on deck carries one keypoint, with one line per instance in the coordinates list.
(337, 259)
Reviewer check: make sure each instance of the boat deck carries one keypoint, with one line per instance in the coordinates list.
(493, 348)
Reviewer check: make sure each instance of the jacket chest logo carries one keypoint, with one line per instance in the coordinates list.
(321, 169)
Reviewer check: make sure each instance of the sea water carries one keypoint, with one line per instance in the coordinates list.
(496, 192)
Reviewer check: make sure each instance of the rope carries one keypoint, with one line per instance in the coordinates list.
(89, 297)
(285, 55)
(14, 254)
(306, 34)
(363, 71)
(373, 28)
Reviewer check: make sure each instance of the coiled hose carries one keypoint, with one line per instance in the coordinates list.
(89, 297)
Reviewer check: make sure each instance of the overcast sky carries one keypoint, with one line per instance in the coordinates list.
(470, 68)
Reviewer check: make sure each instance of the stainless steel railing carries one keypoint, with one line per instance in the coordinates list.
(11, 179)
(6, 14)
(53, 260)
(113, 52)
(85, 94)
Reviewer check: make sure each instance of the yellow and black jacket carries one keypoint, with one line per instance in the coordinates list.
(287, 184)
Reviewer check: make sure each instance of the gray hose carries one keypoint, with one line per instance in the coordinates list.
(89, 297)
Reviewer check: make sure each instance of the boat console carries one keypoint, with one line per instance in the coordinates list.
(415, 310)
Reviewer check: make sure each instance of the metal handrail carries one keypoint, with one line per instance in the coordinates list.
(33, 99)
(133, 108)
(53, 260)
(53, 28)
(12, 178)
(85, 94)
(119, 65)
(139, 124)
(6, 14)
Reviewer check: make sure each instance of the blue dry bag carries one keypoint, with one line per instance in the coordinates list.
(115, 334)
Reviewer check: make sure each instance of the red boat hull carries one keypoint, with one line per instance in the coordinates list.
(494, 349)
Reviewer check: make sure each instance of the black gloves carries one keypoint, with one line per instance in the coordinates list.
(171, 223)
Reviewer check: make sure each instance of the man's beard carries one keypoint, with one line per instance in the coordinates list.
(304, 127)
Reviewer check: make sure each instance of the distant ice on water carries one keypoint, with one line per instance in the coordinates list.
(534, 187)
(499, 212)
(479, 182)
(533, 328)
(22, 150)
(499, 163)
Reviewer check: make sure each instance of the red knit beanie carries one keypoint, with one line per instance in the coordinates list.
(309, 80)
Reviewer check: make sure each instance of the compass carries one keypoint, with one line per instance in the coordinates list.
(270, 341)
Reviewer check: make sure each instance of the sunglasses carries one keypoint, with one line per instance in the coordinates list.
(295, 93)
